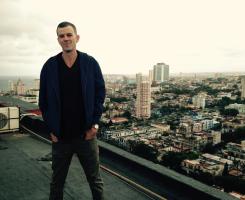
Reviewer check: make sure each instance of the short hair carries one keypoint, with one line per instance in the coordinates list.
(65, 24)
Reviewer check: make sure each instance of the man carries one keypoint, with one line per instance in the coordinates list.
(71, 97)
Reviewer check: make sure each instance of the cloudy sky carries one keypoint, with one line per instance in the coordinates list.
(126, 36)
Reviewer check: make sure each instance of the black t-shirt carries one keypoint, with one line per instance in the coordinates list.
(72, 110)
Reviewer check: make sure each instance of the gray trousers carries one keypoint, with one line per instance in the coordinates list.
(88, 155)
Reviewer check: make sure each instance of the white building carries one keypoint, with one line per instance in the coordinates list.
(199, 101)
(197, 127)
(215, 159)
(30, 99)
(160, 72)
(12, 86)
(162, 127)
(36, 84)
(235, 151)
(216, 135)
(150, 76)
(207, 124)
(20, 87)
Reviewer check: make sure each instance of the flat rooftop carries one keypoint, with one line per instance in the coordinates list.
(10, 101)
(26, 175)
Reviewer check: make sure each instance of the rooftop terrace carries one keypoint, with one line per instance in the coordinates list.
(26, 175)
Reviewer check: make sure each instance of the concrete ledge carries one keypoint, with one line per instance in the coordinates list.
(201, 188)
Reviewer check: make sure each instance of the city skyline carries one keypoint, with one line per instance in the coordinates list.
(127, 37)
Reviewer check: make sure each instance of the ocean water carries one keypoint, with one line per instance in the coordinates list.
(27, 80)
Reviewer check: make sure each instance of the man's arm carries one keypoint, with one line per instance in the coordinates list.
(99, 93)
(99, 97)
(43, 103)
(43, 91)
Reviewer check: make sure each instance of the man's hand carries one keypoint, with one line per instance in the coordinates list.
(53, 138)
(91, 133)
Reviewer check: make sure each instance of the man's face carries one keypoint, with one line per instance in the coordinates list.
(67, 38)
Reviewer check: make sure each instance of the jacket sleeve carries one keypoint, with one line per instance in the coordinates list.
(43, 106)
(99, 90)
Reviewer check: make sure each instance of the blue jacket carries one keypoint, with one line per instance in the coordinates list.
(93, 92)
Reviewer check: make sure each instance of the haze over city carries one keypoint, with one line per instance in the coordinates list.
(126, 37)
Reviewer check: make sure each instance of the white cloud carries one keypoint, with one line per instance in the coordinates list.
(126, 36)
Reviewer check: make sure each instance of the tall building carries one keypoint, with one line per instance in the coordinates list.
(243, 87)
(150, 76)
(11, 85)
(20, 87)
(160, 72)
(216, 135)
(199, 101)
(243, 145)
(143, 99)
(166, 73)
(36, 84)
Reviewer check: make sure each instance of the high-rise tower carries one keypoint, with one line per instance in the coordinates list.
(243, 87)
(143, 99)
(160, 72)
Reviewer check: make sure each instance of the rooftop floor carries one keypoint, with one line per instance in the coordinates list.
(24, 176)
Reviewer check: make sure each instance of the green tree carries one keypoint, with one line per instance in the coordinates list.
(237, 136)
(118, 99)
(209, 148)
(205, 178)
(230, 183)
(145, 151)
(126, 114)
(229, 112)
(225, 101)
(225, 171)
